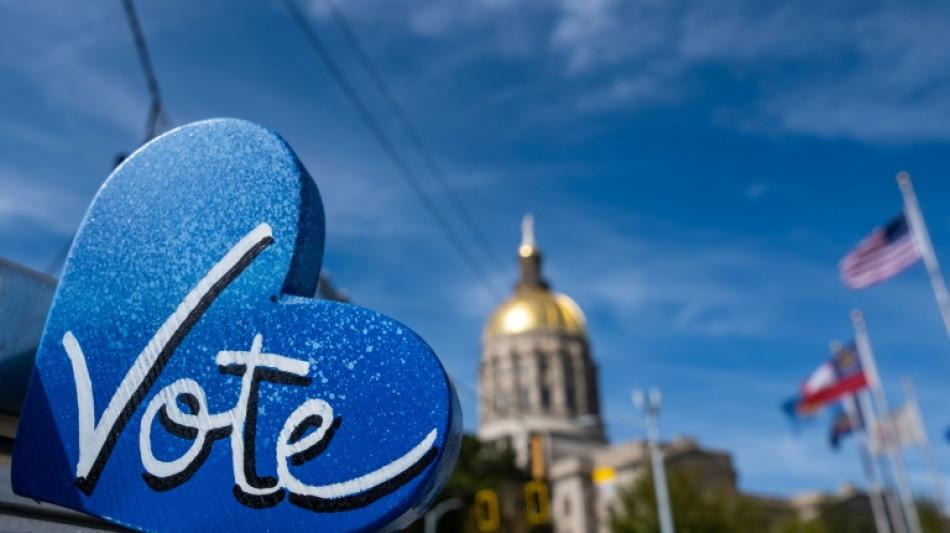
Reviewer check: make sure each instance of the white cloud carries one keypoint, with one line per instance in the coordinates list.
(756, 190)
(856, 108)
(727, 289)
(32, 135)
(874, 73)
(584, 29)
(871, 72)
(24, 204)
(777, 461)
(61, 53)
(852, 70)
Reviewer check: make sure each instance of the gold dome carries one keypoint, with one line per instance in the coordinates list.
(532, 308)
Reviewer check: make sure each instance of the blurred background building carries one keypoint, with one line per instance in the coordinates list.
(539, 395)
(537, 375)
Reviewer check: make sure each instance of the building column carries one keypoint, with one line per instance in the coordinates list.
(580, 383)
(514, 379)
(556, 381)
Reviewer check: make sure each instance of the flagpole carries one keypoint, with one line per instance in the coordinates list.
(880, 400)
(916, 220)
(910, 395)
(874, 488)
(859, 428)
(898, 520)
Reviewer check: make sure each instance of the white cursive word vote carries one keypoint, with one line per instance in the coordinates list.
(305, 434)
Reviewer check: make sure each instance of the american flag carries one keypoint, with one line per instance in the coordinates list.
(884, 253)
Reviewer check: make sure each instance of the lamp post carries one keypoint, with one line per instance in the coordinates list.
(650, 406)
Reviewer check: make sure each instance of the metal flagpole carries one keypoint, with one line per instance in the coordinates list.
(894, 510)
(880, 400)
(910, 395)
(859, 428)
(874, 488)
(916, 220)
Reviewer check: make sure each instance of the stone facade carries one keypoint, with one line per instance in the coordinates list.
(579, 504)
(538, 380)
(537, 376)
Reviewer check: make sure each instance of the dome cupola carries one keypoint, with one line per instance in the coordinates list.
(534, 306)
(536, 376)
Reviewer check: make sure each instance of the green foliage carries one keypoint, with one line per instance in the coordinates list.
(848, 519)
(791, 524)
(696, 509)
(704, 509)
(930, 519)
(835, 518)
(483, 466)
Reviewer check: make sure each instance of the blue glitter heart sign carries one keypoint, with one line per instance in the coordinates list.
(187, 381)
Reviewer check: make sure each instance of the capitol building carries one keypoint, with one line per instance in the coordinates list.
(539, 394)
(537, 375)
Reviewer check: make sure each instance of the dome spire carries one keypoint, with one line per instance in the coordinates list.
(533, 306)
(530, 257)
(527, 235)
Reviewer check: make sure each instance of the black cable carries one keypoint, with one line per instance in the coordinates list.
(156, 112)
(380, 136)
(396, 108)
(156, 108)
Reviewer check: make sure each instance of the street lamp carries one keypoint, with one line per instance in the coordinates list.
(650, 406)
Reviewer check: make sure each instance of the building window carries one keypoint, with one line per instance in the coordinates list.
(527, 367)
(567, 507)
(525, 397)
(545, 397)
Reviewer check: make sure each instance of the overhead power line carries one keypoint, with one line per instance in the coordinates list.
(396, 108)
(384, 142)
(156, 112)
(157, 116)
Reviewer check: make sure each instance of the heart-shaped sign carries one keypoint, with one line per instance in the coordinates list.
(186, 381)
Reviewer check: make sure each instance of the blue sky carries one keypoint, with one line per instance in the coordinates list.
(696, 170)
